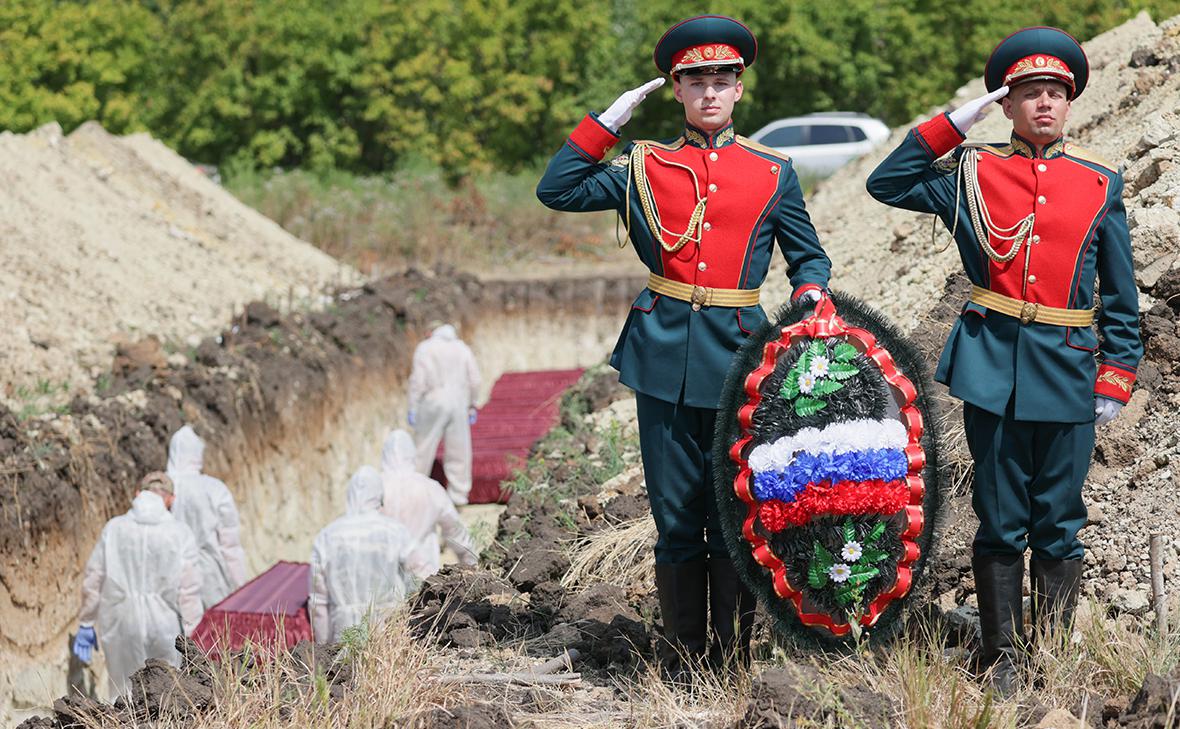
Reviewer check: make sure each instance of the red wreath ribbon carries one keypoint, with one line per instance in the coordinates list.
(824, 324)
(846, 498)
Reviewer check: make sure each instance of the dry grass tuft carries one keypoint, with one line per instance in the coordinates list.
(934, 688)
(619, 554)
(713, 699)
(391, 686)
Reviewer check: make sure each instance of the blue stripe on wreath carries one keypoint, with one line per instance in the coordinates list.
(886, 464)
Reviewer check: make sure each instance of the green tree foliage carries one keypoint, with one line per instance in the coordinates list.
(366, 85)
(72, 62)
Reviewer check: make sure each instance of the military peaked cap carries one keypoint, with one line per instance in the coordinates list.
(706, 40)
(1038, 54)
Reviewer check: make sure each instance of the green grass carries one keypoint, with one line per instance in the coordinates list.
(411, 217)
(41, 398)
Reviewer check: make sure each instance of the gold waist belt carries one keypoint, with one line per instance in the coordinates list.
(1028, 312)
(700, 296)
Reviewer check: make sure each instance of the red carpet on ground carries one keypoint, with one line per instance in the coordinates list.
(523, 406)
(269, 611)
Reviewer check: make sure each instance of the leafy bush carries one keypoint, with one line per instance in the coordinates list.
(470, 86)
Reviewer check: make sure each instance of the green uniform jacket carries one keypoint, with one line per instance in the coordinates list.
(1080, 232)
(752, 196)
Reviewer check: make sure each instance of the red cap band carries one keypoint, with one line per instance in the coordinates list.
(709, 54)
(1039, 65)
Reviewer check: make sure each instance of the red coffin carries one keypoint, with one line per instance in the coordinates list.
(269, 611)
(522, 408)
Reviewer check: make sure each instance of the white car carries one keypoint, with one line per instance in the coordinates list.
(820, 143)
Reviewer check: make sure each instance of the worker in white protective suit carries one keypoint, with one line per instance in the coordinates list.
(207, 507)
(444, 384)
(141, 587)
(362, 565)
(421, 505)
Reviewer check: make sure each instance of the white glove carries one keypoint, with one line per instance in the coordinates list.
(619, 113)
(967, 114)
(1105, 410)
(811, 296)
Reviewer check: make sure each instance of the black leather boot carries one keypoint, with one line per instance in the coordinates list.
(682, 589)
(731, 614)
(998, 584)
(1055, 584)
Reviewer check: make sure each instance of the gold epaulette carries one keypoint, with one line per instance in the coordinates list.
(1000, 150)
(672, 146)
(1086, 155)
(751, 144)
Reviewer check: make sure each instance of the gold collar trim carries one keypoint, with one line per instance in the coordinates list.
(705, 140)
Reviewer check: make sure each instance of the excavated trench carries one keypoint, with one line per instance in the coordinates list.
(289, 406)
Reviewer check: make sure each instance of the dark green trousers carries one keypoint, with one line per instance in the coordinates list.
(1028, 483)
(676, 442)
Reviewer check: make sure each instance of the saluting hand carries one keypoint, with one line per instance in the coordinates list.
(619, 113)
(966, 115)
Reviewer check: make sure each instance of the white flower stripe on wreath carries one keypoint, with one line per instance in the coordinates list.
(844, 437)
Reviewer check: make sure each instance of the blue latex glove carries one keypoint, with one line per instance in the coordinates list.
(472, 416)
(411, 417)
(84, 643)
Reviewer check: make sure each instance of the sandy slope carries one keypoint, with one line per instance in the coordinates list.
(104, 237)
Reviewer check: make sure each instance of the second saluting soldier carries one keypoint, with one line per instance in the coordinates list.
(1035, 219)
(703, 211)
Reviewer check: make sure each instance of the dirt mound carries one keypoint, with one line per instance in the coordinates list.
(112, 238)
(474, 716)
(1154, 707)
(572, 496)
(797, 695)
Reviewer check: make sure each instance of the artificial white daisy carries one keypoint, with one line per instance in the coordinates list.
(852, 551)
(806, 383)
(839, 572)
(820, 366)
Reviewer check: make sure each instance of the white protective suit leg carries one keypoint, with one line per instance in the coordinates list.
(428, 433)
(443, 418)
(457, 458)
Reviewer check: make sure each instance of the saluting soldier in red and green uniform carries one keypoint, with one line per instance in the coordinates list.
(704, 211)
(1036, 219)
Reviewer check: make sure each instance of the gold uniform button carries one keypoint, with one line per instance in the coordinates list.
(713, 156)
(1032, 278)
(701, 266)
(712, 187)
(1041, 199)
(1036, 238)
(1041, 167)
(774, 169)
(708, 225)
(696, 307)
